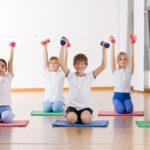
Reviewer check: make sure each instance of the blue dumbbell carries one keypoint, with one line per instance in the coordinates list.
(62, 42)
(106, 45)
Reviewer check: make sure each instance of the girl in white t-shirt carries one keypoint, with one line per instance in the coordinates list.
(122, 78)
(6, 76)
(53, 100)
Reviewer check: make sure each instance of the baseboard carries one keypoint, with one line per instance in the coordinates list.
(65, 89)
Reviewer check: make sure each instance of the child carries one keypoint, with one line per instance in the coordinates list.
(53, 100)
(6, 115)
(122, 78)
(80, 84)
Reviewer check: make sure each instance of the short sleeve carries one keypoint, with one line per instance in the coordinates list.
(69, 75)
(62, 73)
(10, 76)
(129, 71)
(46, 71)
(90, 77)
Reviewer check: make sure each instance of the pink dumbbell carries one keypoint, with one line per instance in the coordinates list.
(132, 38)
(44, 42)
(112, 40)
(68, 44)
(12, 44)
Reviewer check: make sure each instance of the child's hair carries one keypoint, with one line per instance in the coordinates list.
(3, 60)
(53, 58)
(121, 53)
(79, 58)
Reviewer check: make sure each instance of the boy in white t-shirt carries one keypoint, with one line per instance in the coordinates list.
(6, 76)
(122, 78)
(79, 108)
(53, 99)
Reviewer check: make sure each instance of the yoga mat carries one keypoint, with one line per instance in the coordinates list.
(112, 113)
(41, 113)
(15, 123)
(143, 123)
(94, 123)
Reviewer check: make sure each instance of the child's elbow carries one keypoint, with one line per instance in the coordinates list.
(104, 66)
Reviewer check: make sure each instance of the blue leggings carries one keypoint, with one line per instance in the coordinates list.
(6, 114)
(56, 106)
(122, 103)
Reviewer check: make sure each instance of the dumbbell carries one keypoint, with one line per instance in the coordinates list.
(12, 44)
(63, 42)
(106, 45)
(132, 38)
(44, 42)
(112, 40)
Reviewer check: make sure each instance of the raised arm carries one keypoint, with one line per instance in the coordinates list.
(104, 62)
(66, 56)
(113, 60)
(45, 56)
(132, 41)
(63, 57)
(10, 61)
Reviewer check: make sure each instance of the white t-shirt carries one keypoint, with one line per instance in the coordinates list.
(54, 82)
(122, 79)
(79, 90)
(5, 87)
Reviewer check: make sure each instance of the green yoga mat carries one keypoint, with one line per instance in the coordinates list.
(41, 113)
(143, 123)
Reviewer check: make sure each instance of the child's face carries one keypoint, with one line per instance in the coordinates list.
(123, 61)
(53, 65)
(80, 67)
(3, 68)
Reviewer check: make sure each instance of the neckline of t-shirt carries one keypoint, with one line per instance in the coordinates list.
(80, 75)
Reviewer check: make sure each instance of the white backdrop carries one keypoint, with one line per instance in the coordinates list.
(84, 22)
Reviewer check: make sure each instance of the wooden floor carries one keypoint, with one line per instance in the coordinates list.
(121, 134)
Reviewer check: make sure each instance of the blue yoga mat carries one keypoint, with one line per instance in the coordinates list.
(94, 123)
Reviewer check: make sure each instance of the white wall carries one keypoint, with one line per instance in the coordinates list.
(84, 22)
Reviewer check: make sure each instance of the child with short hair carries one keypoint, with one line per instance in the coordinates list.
(6, 76)
(53, 100)
(79, 108)
(122, 78)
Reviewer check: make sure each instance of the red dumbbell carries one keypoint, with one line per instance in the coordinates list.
(68, 44)
(12, 44)
(133, 38)
(44, 42)
(112, 40)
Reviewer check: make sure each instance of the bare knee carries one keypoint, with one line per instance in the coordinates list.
(86, 117)
(71, 118)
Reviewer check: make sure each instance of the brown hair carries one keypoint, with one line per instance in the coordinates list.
(53, 58)
(79, 58)
(3, 60)
(121, 53)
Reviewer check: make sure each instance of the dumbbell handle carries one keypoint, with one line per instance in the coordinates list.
(46, 41)
(112, 40)
(106, 45)
(132, 39)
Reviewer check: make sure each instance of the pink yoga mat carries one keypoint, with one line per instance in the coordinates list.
(15, 123)
(112, 113)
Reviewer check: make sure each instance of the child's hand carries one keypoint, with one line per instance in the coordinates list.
(65, 42)
(12, 44)
(133, 39)
(104, 44)
(112, 39)
(45, 42)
